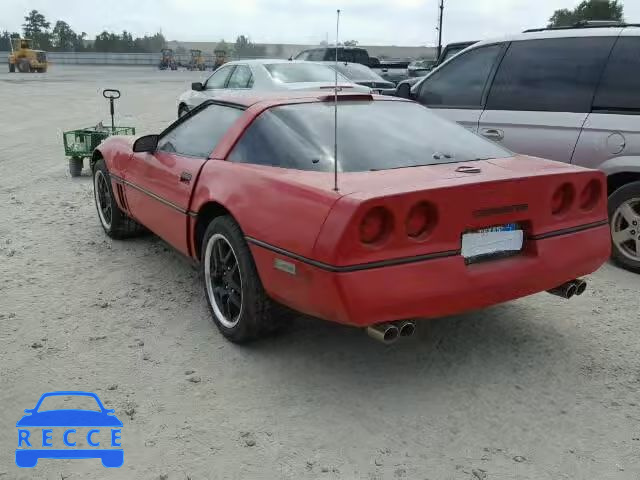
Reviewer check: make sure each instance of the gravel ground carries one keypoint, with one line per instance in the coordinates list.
(539, 388)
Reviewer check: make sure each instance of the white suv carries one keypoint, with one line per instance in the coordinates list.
(570, 94)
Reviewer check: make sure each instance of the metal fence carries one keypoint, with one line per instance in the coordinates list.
(102, 58)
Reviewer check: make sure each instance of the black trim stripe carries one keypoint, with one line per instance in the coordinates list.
(404, 260)
(567, 231)
(154, 196)
(352, 268)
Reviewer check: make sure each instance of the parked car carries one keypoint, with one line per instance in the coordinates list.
(358, 73)
(391, 70)
(249, 76)
(570, 94)
(419, 68)
(345, 54)
(423, 220)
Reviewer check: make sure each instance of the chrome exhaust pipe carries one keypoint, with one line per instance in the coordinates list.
(581, 286)
(566, 290)
(384, 332)
(407, 328)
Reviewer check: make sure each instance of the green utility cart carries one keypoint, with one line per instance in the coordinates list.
(79, 144)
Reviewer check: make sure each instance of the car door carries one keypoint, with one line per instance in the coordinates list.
(214, 85)
(610, 138)
(541, 94)
(457, 89)
(158, 185)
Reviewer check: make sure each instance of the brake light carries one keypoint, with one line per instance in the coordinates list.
(590, 195)
(562, 199)
(421, 220)
(376, 226)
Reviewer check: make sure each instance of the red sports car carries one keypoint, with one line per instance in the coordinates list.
(428, 219)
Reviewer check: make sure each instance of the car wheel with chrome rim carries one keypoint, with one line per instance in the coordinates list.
(115, 222)
(624, 218)
(239, 306)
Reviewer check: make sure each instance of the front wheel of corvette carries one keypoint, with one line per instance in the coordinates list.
(114, 221)
(240, 308)
(624, 218)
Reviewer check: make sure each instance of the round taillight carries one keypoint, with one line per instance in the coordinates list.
(562, 199)
(421, 220)
(590, 195)
(376, 226)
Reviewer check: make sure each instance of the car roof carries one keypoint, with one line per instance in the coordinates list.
(291, 96)
(607, 31)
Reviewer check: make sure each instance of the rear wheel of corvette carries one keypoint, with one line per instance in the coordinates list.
(114, 221)
(624, 218)
(240, 308)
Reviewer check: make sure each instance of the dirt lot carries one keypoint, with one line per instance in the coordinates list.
(539, 388)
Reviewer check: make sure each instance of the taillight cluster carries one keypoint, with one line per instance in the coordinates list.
(564, 197)
(379, 223)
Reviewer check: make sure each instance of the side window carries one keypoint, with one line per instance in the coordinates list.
(241, 77)
(219, 78)
(550, 75)
(197, 136)
(619, 88)
(462, 81)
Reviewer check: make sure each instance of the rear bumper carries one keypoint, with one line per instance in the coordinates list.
(431, 288)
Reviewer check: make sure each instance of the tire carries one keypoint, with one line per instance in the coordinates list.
(75, 166)
(12, 67)
(625, 253)
(253, 314)
(182, 110)
(114, 221)
(24, 66)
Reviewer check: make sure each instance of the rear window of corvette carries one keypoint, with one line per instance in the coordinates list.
(372, 135)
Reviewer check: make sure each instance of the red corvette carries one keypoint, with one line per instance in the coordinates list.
(428, 219)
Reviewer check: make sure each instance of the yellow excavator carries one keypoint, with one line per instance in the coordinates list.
(197, 60)
(25, 59)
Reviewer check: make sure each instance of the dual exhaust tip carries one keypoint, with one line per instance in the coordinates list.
(569, 289)
(390, 332)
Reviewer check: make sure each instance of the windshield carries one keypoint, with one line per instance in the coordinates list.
(374, 135)
(356, 71)
(301, 72)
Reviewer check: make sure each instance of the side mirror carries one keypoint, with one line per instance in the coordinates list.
(403, 90)
(147, 143)
(197, 86)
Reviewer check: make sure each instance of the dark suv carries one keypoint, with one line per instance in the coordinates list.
(345, 54)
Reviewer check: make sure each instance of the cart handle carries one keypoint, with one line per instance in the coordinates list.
(111, 93)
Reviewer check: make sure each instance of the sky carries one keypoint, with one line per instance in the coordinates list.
(370, 22)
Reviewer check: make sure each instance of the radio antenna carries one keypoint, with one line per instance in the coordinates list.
(335, 109)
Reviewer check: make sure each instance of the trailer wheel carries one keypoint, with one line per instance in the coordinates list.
(24, 66)
(75, 166)
(12, 67)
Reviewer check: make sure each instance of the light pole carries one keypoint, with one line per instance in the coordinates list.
(440, 27)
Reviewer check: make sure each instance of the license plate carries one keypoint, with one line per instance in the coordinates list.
(493, 241)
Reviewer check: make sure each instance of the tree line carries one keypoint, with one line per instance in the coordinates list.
(63, 38)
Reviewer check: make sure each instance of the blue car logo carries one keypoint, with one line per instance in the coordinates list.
(104, 430)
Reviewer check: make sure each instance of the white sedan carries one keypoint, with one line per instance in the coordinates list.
(263, 75)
